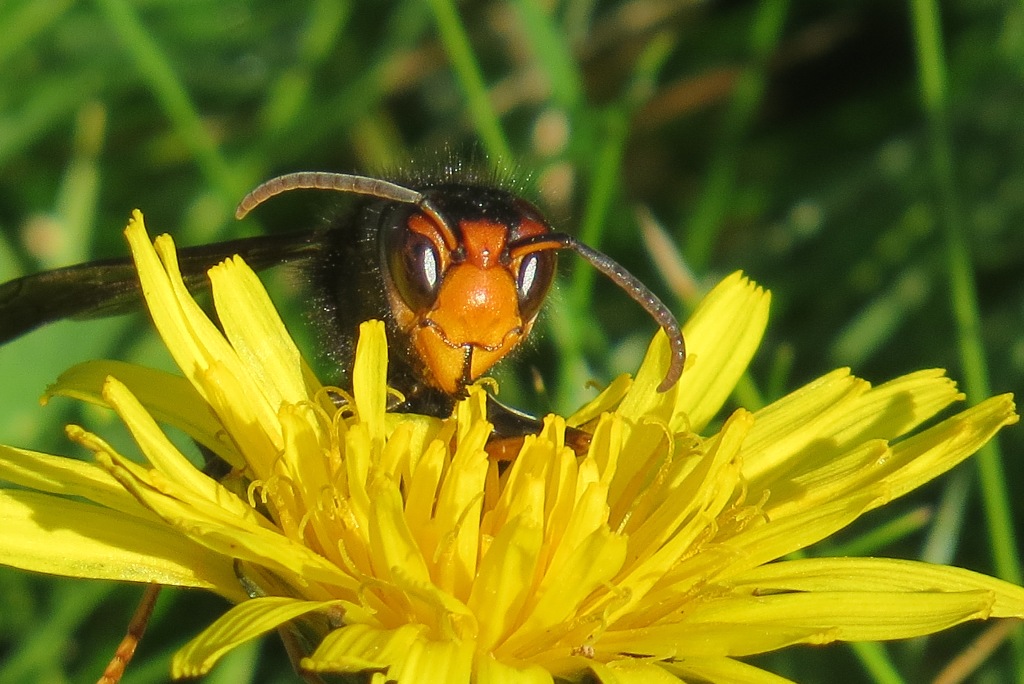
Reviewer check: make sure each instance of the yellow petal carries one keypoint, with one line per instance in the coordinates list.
(632, 672)
(525, 485)
(59, 536)
(590, 565)
(505, 580)
(706, 639)
(844, 615)
(170, 399)
(894, 408)
(785, 428)
(934, 451)
(193, 340)
(363, 647)
(423, 430)
(247, 620)
(866, 575)
(403, 652)
(447, 616)
(694, 491)
(391, 542)
(457, 510)
(835, 414)
(723, 670)
(180, 323)
(358, 460)
(421, 494)
(67, 477)
(258, 438)
(435, 661)
(305, 471)
(254, 328)
(721, 337)
(828, 479)
(489, 670)
(817, 471)
(665, 539)
(220, 531)
(747, 625)
(610, 397)
(369, 379)
(163, 455)
(769, 541)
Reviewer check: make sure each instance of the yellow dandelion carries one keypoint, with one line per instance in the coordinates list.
(391, 543)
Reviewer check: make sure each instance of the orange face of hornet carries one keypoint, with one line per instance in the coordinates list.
(465, 284)
(457, 268)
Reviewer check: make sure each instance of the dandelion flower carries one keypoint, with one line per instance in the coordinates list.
(391, 543)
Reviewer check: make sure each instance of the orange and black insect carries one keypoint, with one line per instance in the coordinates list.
(457, 268)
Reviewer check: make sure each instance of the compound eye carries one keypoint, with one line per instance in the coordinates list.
(416, 270)
(536, 272)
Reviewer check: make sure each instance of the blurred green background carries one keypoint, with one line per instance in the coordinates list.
(864, 160)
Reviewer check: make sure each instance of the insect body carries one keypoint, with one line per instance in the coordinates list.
(458, 270)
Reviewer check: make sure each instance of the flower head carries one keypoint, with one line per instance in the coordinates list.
(391, 542)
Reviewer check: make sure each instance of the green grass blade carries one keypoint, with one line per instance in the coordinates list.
(470, 77)
(963, 292)
(159, 74)
(700, 233)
